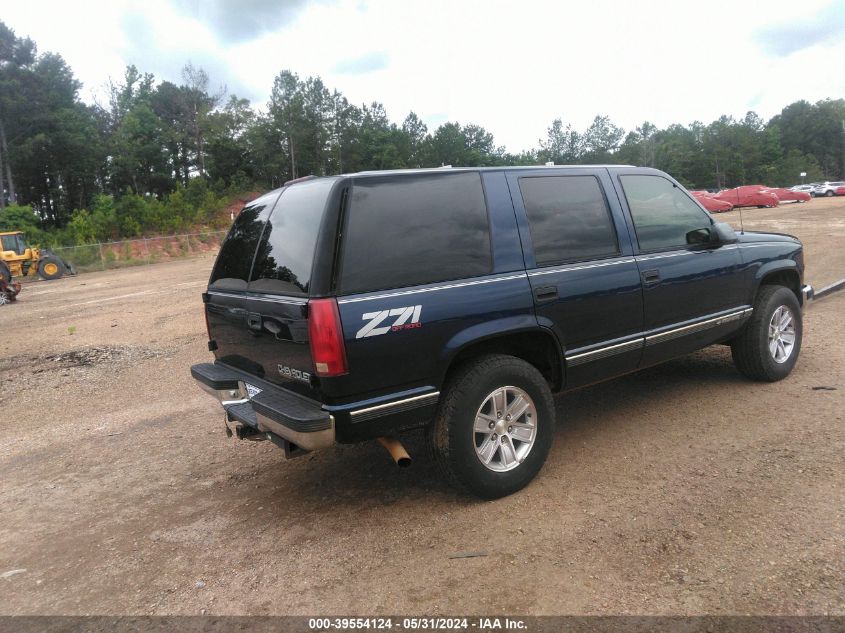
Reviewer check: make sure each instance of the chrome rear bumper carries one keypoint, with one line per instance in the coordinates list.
(268, 409)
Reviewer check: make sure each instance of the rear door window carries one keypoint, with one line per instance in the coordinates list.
(569, 219)
(231, 270)
(286, 253)
(412, 230)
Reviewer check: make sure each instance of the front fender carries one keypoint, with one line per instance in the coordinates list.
(778, 266)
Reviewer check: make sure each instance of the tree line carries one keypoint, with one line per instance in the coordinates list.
(161, 156)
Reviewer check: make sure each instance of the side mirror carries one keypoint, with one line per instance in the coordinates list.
(700, 236)
(719, 233)
(724, 233)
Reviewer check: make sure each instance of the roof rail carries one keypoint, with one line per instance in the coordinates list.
(296, 180)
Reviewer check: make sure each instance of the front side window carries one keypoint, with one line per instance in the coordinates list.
(9, 242)
(568, 218)
(662, 213)
(415, 230)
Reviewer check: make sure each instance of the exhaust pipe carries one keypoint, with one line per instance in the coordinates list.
(396, 450)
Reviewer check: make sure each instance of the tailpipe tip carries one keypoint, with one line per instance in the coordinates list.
(397, 451)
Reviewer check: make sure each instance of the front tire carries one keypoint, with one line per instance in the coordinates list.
(494, 426)
(51, 268)
(829, 194)
(5, 273)
(768, 347)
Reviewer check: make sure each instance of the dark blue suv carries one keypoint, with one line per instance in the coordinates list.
(355, 307)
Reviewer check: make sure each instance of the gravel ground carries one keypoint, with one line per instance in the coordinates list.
(683, 489)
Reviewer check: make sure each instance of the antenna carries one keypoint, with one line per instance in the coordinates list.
(741, 225)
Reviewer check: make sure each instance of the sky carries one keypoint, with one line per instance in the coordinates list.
(511, 67)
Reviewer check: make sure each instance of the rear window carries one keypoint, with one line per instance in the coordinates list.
(415, 230)
(286, 252)
(231, 270)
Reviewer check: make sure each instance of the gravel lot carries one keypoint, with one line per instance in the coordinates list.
(683, 489)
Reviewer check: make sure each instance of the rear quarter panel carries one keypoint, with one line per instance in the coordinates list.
(403, 339)
(387, 353)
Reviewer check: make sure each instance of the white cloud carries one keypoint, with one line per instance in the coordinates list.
(510, 67)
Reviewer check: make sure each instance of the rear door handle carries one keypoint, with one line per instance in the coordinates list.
(651, 277)
(545, 293)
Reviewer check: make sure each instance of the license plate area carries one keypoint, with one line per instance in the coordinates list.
(249, 391)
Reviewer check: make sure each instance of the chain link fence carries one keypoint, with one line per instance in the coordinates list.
(137, 252)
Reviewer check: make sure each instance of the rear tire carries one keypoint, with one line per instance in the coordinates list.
(494, 426)
(51, 268)
(829, 194)
(768, 346)
(5, 273)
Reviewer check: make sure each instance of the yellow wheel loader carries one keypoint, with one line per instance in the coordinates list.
(23, 260)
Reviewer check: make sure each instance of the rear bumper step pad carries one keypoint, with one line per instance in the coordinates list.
(296, 419)
(214, 376)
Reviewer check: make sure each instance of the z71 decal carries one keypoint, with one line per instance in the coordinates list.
(407, 318)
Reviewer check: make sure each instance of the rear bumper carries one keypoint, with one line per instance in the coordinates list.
(273, 410)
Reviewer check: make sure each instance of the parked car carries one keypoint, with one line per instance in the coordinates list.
(828, 188)
(840, 191)
(712, 204)
(805, 188)
(748, 196)
(357, 307)
(788, 195)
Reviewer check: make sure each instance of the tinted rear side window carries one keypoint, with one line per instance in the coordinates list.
(568, 218)
(286, 253)
(415, 230)
(231, 270)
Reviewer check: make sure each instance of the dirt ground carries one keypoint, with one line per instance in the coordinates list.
(683, 489)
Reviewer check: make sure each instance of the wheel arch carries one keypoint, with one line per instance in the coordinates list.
(780, 274)
(535, 345)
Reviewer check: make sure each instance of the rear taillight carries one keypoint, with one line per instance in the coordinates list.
(326, 335)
